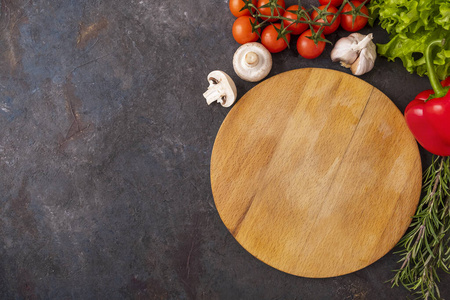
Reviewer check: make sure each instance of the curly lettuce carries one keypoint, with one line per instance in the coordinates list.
(412, 25)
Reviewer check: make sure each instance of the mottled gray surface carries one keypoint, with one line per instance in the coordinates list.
(105, 151)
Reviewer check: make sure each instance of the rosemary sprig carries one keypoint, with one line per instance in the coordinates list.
(303, 16)
(426, 245)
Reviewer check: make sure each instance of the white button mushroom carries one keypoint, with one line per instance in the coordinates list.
(221, 89)
(252, 62)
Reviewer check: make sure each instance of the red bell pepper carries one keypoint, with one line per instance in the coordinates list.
(428, 115)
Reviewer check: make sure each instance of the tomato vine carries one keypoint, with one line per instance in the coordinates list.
(302, 16)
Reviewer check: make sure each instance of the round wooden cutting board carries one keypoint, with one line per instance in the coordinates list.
(315, 173)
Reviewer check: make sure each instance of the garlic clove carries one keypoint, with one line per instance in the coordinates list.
(363, 41)
(357, 37)
(356, 67)
(364, 63)
(347, 49)
(343, 51)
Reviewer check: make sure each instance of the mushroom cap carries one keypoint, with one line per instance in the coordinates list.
(247, 67)
(227, 86)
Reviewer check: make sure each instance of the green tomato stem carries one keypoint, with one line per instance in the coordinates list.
(439, 91)
(302, 17)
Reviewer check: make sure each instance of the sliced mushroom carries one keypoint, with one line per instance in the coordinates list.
(221, 89)
(252, 62)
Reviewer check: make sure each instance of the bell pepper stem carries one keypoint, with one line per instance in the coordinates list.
(439, 91)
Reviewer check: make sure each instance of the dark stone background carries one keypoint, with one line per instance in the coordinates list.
(105, 147)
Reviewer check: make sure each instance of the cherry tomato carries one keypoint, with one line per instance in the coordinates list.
(327, 29)
(236, 6)
(346, 20)
(266, 10)
(242, 30)
(335, 3)
(269, 39)
(306, 47)
(296, 28)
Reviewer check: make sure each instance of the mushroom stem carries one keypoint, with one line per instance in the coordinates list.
(251, 59)
(214, 94)
(252, 62)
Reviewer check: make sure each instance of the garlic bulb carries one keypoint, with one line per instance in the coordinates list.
(356, 52)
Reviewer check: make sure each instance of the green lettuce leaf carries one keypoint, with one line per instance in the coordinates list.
(412, 25)
(443, 19)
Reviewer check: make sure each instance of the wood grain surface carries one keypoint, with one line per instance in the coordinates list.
(315, 173)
